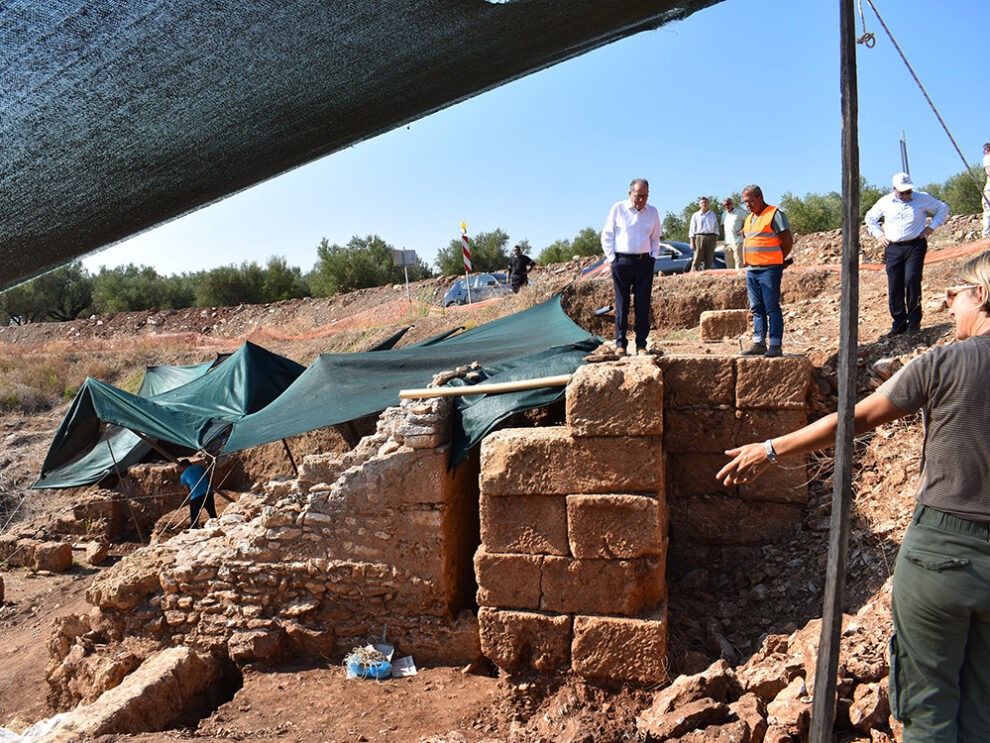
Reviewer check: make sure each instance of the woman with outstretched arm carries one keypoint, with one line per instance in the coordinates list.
(940, 651)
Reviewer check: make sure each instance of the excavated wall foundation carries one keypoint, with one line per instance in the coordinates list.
(574, 521)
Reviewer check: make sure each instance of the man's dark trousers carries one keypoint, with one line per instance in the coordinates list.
(905, 262)
(632, 274)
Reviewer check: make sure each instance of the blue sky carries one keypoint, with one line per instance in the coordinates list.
(742, 92)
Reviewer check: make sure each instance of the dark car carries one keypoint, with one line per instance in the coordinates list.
(483, 286)
(675, 257)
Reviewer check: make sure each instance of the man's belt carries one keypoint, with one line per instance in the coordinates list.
(703, 234)
(635, 256)
(906, 242)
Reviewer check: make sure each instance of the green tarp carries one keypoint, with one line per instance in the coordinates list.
(124, 447)
(189, 415)
(336, 388)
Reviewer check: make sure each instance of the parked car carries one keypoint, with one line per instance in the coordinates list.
(675, 257)
(483, 286)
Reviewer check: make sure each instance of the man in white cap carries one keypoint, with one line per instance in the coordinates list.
(903, 236)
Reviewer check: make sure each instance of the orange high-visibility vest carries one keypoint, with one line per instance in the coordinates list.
(762, 246)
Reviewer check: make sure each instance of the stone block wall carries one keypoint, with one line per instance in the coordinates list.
(714, 403)
(571, 565)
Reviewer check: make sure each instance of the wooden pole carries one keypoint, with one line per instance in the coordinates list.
(487, 389)
(823, 704)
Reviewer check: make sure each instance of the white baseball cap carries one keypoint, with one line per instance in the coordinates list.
(902, 182)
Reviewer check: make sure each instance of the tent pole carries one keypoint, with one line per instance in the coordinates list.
(288, 453)
(823, 704)
(120, 479)
(487, 389)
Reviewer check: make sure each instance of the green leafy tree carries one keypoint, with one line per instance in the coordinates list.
(59, 295)
(282, 281)
(363, 262)
(488, 253)
(813, 213)
(959, 192)
(587, 242)
(130, 288)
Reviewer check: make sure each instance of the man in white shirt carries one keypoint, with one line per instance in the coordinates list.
(986, 192)
(733, 219)
(703, 234)
(904, 236)
(631, 243)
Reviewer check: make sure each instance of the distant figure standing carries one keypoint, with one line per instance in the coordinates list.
(986, 192)
(519, 266)
(768, 242)
(733, 219)
(904, 239)
(703, 234)
(631, 243)
(200, 493)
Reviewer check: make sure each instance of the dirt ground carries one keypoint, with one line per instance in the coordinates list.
(739, 596)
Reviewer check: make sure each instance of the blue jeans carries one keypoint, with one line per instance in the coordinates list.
(763, 287)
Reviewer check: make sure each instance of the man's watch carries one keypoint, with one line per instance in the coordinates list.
(771, 454)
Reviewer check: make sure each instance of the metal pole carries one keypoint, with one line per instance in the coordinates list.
(405, 270)
(823, 704)
(904, 159)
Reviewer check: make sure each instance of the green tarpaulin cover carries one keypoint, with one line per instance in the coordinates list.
(190, 415)
(336, 388)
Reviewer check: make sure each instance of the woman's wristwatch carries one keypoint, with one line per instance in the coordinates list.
(771, 454)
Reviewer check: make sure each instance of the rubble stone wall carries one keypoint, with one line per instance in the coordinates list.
(311, 565)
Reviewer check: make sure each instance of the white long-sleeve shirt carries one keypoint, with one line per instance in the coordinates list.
(703, 223)
(629, 231)
(905, 220)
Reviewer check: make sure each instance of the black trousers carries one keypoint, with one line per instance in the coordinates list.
(198, 504)
(632, 275)
(905, 262)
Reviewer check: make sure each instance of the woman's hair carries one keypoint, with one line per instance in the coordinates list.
(977, 271)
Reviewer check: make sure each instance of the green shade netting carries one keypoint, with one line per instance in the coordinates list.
(162, 378)
(190, 415)
(540, 341)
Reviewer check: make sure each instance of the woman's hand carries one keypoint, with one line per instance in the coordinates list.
(748, 463)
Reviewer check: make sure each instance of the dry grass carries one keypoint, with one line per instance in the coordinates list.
(39, 378)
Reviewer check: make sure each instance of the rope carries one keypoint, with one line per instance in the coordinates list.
(923, 91)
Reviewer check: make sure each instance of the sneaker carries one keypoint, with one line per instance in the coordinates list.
(757, 349)
(773, 352)
(642, 352)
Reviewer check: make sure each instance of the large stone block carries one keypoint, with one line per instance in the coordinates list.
(623, 398)
(780, 383)
(508, 581)
(784, 482)
(623, 587)
(698, 380)
(517, 640)
(615, 526)
(528, 524)
(621, 649)
(550, 461)
(694, 474)
(699, 430)
(719, 519)
(717, 325)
